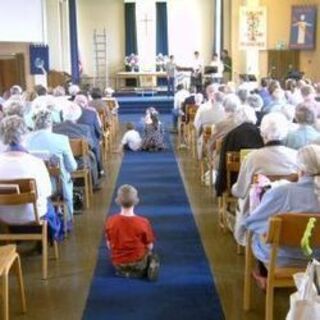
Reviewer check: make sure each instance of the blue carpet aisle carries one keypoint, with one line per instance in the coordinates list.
(185, 289)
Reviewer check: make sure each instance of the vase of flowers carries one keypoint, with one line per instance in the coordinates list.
(132, 63)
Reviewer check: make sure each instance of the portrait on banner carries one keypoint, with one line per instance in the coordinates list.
(303, 27)
(253, 27)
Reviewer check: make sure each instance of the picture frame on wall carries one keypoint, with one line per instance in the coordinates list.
(303, 27)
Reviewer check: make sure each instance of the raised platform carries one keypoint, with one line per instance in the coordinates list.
(136, 104)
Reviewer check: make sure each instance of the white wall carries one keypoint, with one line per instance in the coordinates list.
(22, 21)
(99, 14)
(190, 27)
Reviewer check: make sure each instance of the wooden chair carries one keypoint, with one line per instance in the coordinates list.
(8, 258)
(106, 134)
(232, 167)
(27, 196)
(57, 198)
(284, 230)
(80, 149)
(191, 110)
(206, 160)
(115, 119)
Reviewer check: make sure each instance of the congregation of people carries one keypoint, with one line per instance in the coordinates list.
(276, 124)
(36, 131)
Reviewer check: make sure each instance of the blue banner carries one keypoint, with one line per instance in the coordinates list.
(39, 58)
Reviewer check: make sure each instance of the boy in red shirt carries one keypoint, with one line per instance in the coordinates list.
(130, 239)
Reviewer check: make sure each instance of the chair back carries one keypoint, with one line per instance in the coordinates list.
(232, 166)
(27, 194)
(207, 130)
(191, 110)
(79, 147)
(111, 104)
(287, 229)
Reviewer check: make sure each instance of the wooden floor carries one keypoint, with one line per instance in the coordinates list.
(64, 294)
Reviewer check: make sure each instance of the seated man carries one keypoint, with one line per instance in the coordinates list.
(71, 112)
(130, 239)
(301, 196)
(91, 119)
(57, 144)
(208, 113)
(273, 159)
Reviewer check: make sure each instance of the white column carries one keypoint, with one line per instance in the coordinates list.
(218, 26)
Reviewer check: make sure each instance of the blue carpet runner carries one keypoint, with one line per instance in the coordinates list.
(185, 289)
(134, 105)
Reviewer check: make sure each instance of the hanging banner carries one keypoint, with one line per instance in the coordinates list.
(253, 28)
(39, 58)
(303, 27)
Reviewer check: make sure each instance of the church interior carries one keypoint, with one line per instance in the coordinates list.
(160, 159)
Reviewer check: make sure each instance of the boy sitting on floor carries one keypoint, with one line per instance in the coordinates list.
(130, 239)
(131, 139)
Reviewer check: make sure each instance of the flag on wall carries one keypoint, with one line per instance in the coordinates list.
(253, 28)
(39, 58)
(303, 27)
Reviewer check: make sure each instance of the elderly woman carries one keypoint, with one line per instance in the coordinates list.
(56, 144)
(305, 133)
(302, 196)
(273, 159)
(231, 104)
(278, 100)
(17, 163)
(256, 102)
(245, 136)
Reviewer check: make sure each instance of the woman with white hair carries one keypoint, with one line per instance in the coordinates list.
(246, 135)
(305, 132)
(273, 159)
(56, 144)
(301, 196)
(17, 163)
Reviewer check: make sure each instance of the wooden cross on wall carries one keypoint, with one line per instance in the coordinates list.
(146, 21)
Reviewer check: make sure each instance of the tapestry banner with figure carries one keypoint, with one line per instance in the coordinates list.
(303, 27)
(253, 28)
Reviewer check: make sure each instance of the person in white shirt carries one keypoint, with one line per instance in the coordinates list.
(208, 114)
(131, 139)
(217, 63)
(179, 99)
(196, 76)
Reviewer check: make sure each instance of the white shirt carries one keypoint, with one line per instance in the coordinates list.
(208, 113)
(220, 67)
(132, 139)
(19, 165)
(179, 98)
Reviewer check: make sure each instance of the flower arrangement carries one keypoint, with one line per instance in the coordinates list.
(132, 62)
(161, 62)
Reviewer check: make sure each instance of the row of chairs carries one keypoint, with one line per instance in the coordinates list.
(284, 229)
(25, 193)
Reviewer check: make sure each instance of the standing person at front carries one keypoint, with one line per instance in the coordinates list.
(227, 64)
(196, 76)
(171, 74)
(130, 239)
